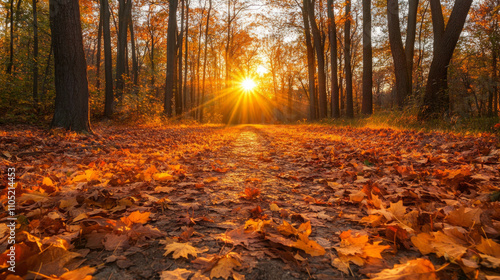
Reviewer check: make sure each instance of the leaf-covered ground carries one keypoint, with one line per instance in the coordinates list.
(251, 202)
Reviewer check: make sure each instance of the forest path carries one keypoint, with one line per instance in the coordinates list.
(267, 202)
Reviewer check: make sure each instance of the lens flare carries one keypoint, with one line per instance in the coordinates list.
(248, 85)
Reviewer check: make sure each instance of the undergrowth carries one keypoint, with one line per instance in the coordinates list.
(408, 120)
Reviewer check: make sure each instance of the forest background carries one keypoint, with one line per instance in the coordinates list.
(356, 57)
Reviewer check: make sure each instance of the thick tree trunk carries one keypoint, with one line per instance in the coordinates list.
(72, 94)
(436, 98)
(310, 62)
(398, 53)
(36, 98)
(332, 33)
(108, 60)
(320, 57)
(205, 60)
(367, 107)
(347, 56)
(171, 45)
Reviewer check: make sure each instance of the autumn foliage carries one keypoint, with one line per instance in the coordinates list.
(253, 202)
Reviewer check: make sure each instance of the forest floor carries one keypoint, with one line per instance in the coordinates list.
(250, 202)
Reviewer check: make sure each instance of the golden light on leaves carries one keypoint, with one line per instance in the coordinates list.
(164, 176)
(355, 248)
(440, 244)
(136, 218)
(419, 269)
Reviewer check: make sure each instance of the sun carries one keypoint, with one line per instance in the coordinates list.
(248, 85)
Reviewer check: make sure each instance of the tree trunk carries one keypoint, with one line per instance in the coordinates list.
(310, 62)
(108, 60)
(398, 53)
(171, 45)
(121, 64)
(290, 101)
(98, 59)
(332, 32)
(226, 116)
(347, 56)
(205, 60)
(367, 104)
(72, 94)
(320, 57)
(179, 93)
(495, 79)
(410, 41)
(198, 58)
(135, 62)
(36, 98)
(11, 41)
(436, 98)
(186, 56)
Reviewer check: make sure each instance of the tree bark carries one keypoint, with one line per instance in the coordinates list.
(171, 45)
(410, 41)
(320, 57)
(11, 41)
(108, 60)
(205, 60)
(332, 32)
(367, 107)
(436, 98)
(72, 94)
(121, 64)
(179, 93)
(186, 56)
(36, 98)
(99, 46)
(347, 56)
(398, 53)
(310, 62)
(495, 79)
(135, 62)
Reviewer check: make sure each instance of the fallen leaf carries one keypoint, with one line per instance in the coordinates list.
(465, 217)
(357, 197)
(210, 180)
(440, 244)
(418, 269)
(287, 229)
(397, 209)
(309, 246)
(274, 207)
(225, 265)
(47, 181)
(182, 250)
(162, 177)
(178, 274)
(79, 273)
(138, 218)
(489, 247)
